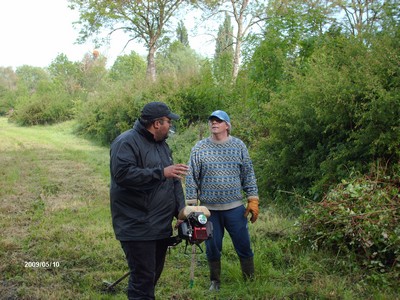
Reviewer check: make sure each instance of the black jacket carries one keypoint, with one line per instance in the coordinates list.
(143, 201)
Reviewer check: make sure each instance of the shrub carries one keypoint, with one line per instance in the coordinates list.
(47, 108)
(182, 143)
(104, 116)
(359, 220)
(338, 113)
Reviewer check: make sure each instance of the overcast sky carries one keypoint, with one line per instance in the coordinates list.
(34, 32)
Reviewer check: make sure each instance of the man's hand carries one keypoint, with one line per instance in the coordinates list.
(178, 222)
(252, 207)
(177, 171)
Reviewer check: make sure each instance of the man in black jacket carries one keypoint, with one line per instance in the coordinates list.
(146, 194)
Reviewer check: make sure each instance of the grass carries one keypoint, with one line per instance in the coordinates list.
(54, 210)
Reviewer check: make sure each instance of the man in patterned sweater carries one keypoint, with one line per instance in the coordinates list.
(220, 175)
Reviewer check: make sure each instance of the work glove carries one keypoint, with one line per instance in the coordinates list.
(252, 207)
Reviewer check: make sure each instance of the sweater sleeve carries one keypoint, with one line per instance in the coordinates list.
(248, 177)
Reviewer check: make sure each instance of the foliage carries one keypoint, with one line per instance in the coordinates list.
(94, 73)
(146, 21)
(289, 38)
(47, 105)
(30, 77)
(223, 57)
(65, 202)
(359, 221)
(7, 101)
(312, 103)
(128, 67)
(201, 96)
(338, 113)
(67, 74)
(246, 14)
(363, 18)
(8, 86)
(182, 34)
(181, 142)
(104, 116)
(179, 62)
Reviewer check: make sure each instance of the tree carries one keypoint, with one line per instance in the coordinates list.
(223, 58)
(178, 61)
(94, 71)
(8, 86)
(246, 15)
(142, 20)
(360, 17)
(66, 73)
(128, 67)
(30, 77)
(182, 34)
(8, 78)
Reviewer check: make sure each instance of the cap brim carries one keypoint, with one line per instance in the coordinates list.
(173, 116)
(213, 116)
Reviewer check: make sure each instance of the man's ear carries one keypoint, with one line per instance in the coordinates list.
(156, 124)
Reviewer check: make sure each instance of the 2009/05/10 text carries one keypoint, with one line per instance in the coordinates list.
(42, 264)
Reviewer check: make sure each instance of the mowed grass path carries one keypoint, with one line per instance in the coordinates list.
(56, 235)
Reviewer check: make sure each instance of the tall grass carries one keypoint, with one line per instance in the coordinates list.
(54, 211)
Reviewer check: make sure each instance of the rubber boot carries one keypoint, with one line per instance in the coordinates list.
(247, 265)
(215, 274)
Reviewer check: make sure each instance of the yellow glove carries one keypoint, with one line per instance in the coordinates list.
(252, 207)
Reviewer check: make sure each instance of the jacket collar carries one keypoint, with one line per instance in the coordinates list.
(143, 131)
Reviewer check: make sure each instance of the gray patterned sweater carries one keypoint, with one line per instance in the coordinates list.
(220, 174)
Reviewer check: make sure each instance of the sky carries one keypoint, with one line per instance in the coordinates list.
(35, 32)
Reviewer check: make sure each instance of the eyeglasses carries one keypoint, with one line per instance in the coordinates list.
(167, 120)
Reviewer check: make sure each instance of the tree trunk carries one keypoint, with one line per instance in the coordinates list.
(151, 64)
(236, 57)
(238, 13)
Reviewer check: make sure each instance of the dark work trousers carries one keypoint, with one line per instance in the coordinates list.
(146, 262)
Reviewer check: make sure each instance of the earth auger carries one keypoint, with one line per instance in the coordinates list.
(194, 229)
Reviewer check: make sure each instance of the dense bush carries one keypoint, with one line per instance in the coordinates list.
(105, 115)
(198, 97)
(359, 220)
(181, 143)
(7, 101)
(337, 114)
(43, 108)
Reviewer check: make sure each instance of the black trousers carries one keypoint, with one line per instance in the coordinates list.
(146, 262)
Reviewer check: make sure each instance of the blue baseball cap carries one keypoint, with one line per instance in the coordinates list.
(220, 114)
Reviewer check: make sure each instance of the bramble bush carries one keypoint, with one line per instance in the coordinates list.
(359, 220)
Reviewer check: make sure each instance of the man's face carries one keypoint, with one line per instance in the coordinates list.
(164, 125)
(217, 126)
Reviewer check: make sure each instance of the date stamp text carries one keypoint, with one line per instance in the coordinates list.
(42, 264)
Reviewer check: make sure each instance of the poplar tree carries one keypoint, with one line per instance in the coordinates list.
(182, 34)
(223, 57)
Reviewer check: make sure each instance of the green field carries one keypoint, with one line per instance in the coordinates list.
(57, 241)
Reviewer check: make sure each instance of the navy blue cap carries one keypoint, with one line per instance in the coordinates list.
(155, 110)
